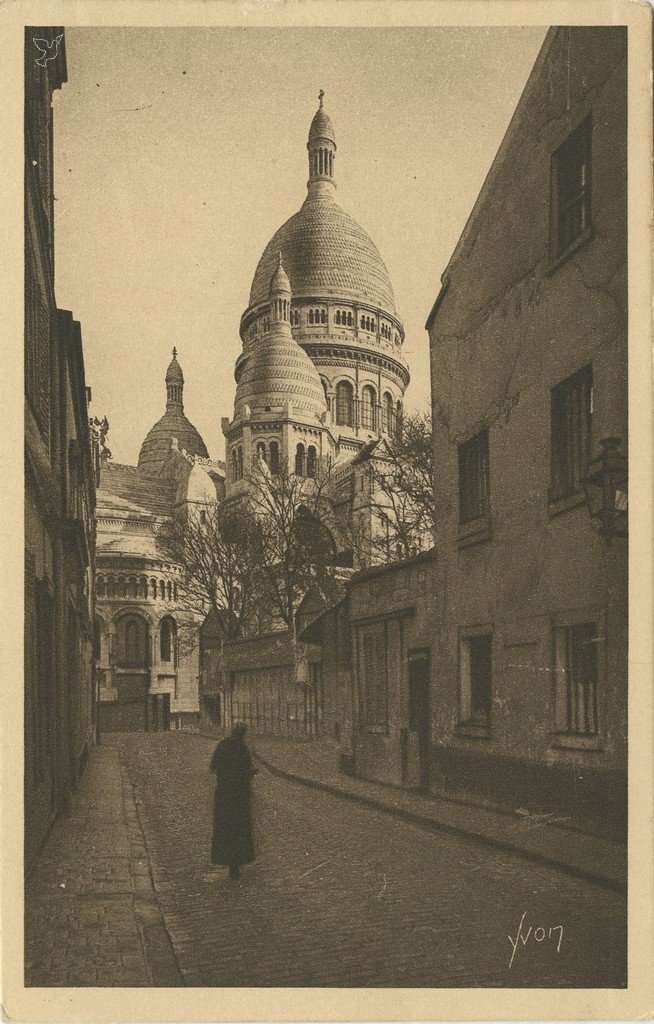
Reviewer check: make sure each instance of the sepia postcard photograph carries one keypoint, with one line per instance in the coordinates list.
(333, 348)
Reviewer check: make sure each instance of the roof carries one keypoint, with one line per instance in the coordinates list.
(321, 127)
(158, 441)
(276, 370)
(325, 253)
(123, 489)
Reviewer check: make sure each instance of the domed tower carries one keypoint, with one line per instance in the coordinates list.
(343, 311)
(173, 424)
(280, 409)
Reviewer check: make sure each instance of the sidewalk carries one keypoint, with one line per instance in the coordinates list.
(579, 852)
(91, 912)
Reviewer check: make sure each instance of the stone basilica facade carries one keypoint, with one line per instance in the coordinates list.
(320, 380)
(147, 670)
(322, 371)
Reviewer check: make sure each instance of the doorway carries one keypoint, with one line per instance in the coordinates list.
(418, 752)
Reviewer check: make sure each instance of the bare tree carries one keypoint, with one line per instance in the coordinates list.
(215, 546)
(399, 495)
(295, 548)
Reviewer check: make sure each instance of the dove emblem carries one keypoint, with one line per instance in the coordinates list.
(48, 50)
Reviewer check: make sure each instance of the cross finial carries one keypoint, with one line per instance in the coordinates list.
(174, 353)
(320, 96)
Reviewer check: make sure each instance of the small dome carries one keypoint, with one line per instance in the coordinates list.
(277, 371)
(321, 126)
(159, 439)
(174, 373)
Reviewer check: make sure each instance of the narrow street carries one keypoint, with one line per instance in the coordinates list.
(343, 896)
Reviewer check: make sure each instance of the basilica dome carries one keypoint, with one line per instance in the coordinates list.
(277, 370)
(173, 424)
(325, 253)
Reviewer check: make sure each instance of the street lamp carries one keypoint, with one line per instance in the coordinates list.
(605, 490)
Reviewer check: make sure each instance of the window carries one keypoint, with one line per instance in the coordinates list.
(387, 413)
(261, 451)
(476, 680)
(571, 188)
(575, 653)
(474, 482)
(373, 668)
(162, 590)
(368, 407)
(234, 465)
(398, 419)
(311, 461)
(299, 460)
(572, 408)
(338, 316)
(100, 586)
(166, 639)
(323, 316)
(135, 642)
(274, 458)
(240, 463)
(344, 403)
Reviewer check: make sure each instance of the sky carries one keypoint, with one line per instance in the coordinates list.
(179, 152)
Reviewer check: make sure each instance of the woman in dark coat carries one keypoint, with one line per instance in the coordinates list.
(232, 823)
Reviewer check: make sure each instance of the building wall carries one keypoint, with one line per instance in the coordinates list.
(513, 321)
(59, 491)
(390, 613)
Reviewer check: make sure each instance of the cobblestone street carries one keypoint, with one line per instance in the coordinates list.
(340, 895)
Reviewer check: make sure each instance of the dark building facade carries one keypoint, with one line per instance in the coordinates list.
(59, 487)
(528, 343)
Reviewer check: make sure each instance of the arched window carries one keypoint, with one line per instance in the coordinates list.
(323, 316)
(274, 458)
(234, 464)
(239, 467)
(338, 317)
(167, 639)
(169, 589)
(153, 588)
(133, 587)
(368, 407)
(387, 413)
(299, 460)
(363, 323)
(175, 591)
(162, 590)
(122, 588)
(398, 419)
(261, 451)
(310, 316)
(349, 320)
(100, 586)
(344, 403)
(134, 647)
(311, 460)
(144, 587)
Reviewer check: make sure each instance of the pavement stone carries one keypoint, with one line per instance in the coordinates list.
(581, 848)
(343, 895)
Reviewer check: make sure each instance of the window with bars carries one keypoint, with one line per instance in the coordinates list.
(474, 478)
(368, 407)
(571, 188)
(571, 433)
(476, 674)
(575, 653)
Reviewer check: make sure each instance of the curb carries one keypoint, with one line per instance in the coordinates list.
(604, 881)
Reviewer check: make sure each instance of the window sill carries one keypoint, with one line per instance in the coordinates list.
(557, 506)
(570, 741)
(574, 247)
(477, 531)
(473, 730)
